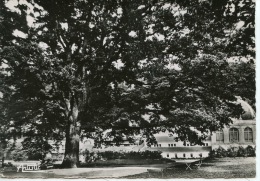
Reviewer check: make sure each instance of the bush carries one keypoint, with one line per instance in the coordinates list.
(91, 156)
(8, 164)
(241, 152)
(212, 153)
(110, 155)
(220, 152)
(35, 156)
(19, 155)
(232, 152)
(250, 150)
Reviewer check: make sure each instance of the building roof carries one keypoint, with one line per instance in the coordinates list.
(180, 149)
(170, 139)
(115, 148)
(164, 138)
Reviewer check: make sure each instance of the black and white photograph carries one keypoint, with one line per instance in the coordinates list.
(128, 89)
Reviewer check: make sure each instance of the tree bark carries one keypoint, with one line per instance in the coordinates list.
(71, 156)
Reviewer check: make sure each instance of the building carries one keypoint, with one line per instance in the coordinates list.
(173, 149)
(241, 133)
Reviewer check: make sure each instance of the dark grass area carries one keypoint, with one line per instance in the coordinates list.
(216, 168)
(182, 173)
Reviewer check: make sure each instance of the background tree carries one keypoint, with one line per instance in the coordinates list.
(86, 67)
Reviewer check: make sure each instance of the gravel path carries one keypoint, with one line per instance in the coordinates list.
(115, 172)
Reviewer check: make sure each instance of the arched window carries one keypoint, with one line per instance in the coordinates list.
(220, 136)
(248, 134)
(233, 135)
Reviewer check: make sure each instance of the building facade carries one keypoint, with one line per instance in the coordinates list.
(242, 132)
(173, 149)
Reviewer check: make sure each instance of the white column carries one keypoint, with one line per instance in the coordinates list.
(226, 135)
(254, 134)
(241, 134)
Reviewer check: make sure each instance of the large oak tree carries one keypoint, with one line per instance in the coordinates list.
(88, 66)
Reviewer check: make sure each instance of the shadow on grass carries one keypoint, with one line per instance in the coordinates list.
(210, 169)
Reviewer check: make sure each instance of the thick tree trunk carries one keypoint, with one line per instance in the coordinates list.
(71, 157)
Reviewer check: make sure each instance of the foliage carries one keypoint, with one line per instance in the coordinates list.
(9, 165)
(242, 152)
(251, 151)
(111, 155)
(36, 147)
(19, 155)
(92, 156)
(233, 152)
(244, 75)
(35, 156)
(218, 152)
(96, 68)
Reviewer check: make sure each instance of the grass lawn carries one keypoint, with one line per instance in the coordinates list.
(238, 167)
(215, 168)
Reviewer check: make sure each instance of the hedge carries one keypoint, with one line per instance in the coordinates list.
(240, 151)
(111, 155)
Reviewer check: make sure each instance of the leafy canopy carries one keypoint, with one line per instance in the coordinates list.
(127, 66)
